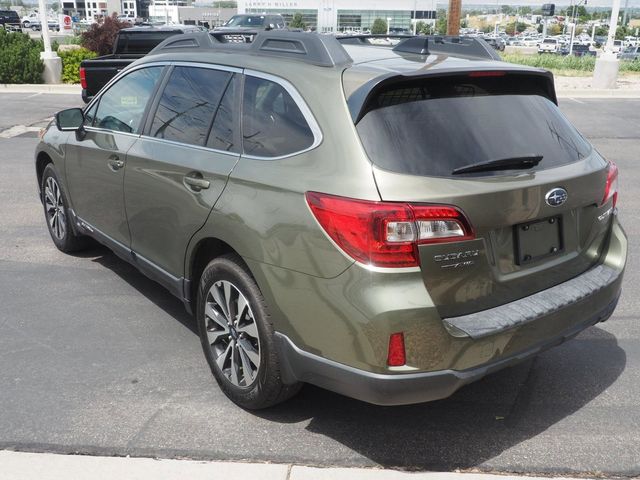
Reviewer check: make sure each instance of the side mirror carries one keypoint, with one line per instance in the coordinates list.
(70, 119)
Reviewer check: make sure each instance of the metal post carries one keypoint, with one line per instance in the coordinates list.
(613, 25)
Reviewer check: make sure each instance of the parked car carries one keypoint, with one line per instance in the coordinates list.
(32, 21)
(341, 214)
(254, 22)
(549, 45)
(9, 20)
(630, 53)
(617, 47)
(578, 50)
(130, 45)
(496, 42)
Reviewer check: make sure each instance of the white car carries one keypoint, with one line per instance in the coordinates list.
(549, 45)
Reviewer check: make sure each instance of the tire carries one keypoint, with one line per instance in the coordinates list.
(56, 209)
(26, 25)
(242, 354)
(34, 28)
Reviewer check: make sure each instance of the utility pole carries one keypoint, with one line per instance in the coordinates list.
(52, 63)
(453, 18)
(605, 74)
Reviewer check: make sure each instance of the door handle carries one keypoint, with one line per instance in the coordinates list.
(196, 183)
(115, 163)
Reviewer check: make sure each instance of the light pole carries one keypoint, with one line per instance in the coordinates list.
(52, 63)
(605, 74)
(389, 25)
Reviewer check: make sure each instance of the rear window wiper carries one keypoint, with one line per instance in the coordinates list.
(511, 163)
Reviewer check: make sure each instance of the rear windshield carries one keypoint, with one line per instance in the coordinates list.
(433, 128)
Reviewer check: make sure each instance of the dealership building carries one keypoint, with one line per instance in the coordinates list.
(346, 15)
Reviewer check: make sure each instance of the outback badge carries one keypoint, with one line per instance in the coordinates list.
(556, 197)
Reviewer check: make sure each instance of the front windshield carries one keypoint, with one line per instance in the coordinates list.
(246, 21)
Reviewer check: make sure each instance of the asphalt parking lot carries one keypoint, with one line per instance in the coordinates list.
(96, 358)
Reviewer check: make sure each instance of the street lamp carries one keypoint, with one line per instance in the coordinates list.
(389, 25)
(52, 63)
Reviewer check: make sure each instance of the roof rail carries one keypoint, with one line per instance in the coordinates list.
(471, 47)
(321, 50)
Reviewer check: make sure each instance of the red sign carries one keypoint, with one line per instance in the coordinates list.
(67, 22)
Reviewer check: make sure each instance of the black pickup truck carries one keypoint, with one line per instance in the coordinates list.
(131, 44)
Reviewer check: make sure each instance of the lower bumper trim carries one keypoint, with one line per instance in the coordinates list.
(402, 389)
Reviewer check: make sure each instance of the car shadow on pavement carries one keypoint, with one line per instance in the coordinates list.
(478, 423)
(147, 287)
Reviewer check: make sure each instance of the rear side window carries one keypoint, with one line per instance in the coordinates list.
(431, 129)
(122, 107)
(273, 125)
(225, 131)
(188, 104)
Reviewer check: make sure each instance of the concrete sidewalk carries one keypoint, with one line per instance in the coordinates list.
(566, 87)
(47, 466)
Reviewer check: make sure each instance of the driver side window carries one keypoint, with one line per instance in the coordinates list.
(121, 108)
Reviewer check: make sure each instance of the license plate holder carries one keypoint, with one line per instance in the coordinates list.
(537, 240)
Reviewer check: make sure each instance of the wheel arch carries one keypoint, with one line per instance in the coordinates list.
(205, 250)
(42, 160)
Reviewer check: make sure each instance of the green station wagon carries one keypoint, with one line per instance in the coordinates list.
(386, 220)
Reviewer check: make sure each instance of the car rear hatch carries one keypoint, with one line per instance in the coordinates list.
(494, 145)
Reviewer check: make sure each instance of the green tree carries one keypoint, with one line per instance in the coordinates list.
(20, 58)
(297, 21)
(379, 26)
(525, 10)
(441, 22)
(506, 9)
(515, 27)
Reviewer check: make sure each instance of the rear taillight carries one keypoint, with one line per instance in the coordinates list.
(611, 187)
(83, 78)
(386, 234)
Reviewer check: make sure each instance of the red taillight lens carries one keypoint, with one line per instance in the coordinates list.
(396, 356)
(386, 234)
(83, 78)
(611, 187)
(479, 74)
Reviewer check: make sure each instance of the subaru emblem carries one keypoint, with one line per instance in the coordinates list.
(556, 197)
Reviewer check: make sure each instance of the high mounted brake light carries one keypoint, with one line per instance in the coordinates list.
(611, 187)
(386, 234)
(487, 74)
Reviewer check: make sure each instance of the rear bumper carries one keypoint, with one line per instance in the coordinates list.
(403, 389)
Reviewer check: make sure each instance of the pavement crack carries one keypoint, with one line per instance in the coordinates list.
(143, 428)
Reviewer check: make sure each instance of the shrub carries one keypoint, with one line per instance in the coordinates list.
(19, 58)
(71, 63)
(100, 38)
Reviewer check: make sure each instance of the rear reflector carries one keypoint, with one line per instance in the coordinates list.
(386, 234)
(396, 356)
(83, 78)
(611, 187)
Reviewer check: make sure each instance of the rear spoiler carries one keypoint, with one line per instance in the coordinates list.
(359, 101)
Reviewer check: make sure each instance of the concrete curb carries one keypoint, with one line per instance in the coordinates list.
(48, 466)
(65, 89)
(594, 93)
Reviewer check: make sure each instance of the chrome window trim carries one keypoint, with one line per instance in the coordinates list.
(190, 145)
(291, 90)
(301, 104)
(112, 132)
(210, 66)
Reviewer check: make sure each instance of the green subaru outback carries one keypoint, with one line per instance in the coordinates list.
(388, 220)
